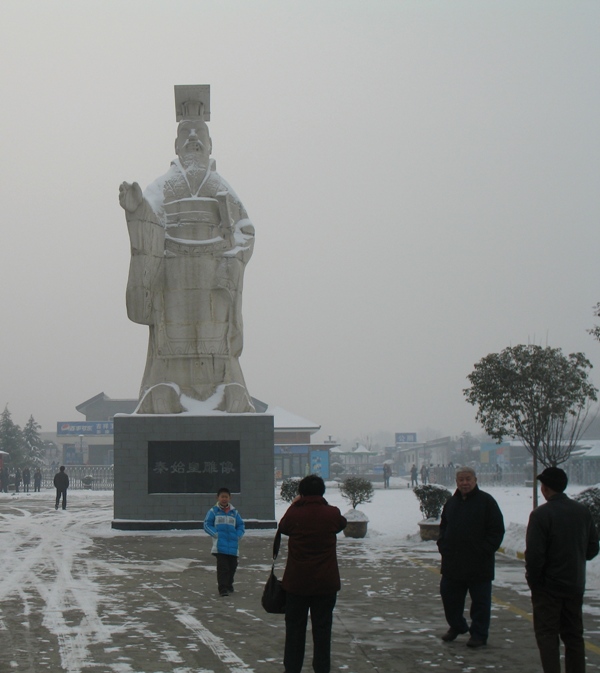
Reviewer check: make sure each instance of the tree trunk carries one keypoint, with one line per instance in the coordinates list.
(535, 487)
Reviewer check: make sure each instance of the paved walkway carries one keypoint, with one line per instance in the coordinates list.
(76, 597)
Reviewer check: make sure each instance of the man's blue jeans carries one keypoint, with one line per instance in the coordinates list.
(454, 594)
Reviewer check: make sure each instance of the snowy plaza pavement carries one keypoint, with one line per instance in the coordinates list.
(77, 596)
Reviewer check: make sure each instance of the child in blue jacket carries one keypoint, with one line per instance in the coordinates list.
(224, 524)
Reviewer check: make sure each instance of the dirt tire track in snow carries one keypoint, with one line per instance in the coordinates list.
(213, 642)
(148, 603)
(43, 557)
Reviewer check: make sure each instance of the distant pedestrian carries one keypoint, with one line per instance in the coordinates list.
(471, 530)
(414, 479)
(37, 480)
(497, 474)
(424, 474)
(61, 481)
(18, 477)
(561, 537)
(26, 479)
(387, 473)
(225, 525)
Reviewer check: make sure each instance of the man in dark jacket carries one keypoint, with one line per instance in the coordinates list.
(471, 530)
(561, 537)
(311, 578)
(61, 482)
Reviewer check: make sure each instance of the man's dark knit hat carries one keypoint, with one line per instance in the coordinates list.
(554, 478)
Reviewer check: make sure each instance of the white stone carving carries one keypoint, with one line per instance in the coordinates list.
(190, 242)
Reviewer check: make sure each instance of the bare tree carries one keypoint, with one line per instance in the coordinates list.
(562, 435)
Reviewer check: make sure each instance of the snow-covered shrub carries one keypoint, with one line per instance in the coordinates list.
(336, 468)
(357, 490)
(289, 489)
(432, 499)
(591, 499)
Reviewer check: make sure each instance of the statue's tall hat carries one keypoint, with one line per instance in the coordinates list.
(192, 101)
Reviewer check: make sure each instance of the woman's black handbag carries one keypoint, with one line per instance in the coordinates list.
(273, 598)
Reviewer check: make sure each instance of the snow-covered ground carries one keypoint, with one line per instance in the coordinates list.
(393, 514)
(39, 544)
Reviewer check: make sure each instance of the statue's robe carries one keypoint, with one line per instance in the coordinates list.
(190, 241)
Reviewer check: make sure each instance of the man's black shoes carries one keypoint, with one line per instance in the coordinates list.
(451, 634)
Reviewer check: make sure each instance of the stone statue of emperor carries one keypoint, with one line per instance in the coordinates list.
(190, 241)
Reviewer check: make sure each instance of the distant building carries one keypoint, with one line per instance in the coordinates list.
(90, 442)
(435, 452)
(358, 460)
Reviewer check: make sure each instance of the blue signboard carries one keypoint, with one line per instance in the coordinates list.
(406, 437)
(319, 463)
(71, 428)
(293, 448)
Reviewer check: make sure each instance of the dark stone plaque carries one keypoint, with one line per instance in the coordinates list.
(193, 466)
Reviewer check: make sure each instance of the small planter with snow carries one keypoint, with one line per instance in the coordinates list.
(432, 499)
(357, 523)
(357, 490)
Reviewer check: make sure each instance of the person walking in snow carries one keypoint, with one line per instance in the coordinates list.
(61, 482)
(561, 537)
(225, 525)
(414, 478)
(387, 473)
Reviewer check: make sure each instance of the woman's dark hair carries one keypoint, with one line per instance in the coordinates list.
(311, 485)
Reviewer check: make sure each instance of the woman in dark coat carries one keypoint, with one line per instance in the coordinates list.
(311, 578)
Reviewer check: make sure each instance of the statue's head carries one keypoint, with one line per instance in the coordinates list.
(193, 143)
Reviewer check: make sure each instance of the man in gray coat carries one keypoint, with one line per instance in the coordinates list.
(561, 537)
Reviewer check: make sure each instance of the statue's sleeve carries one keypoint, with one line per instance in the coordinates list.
(147, 238)
(239, 230)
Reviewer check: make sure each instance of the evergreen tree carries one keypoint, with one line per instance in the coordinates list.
(11, 439)
(33, 445)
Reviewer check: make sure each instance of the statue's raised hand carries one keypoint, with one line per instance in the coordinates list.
(130, 196)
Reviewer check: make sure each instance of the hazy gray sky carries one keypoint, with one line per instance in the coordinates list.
(423, 177)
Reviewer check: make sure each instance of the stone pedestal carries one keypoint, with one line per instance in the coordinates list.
(168, 469)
